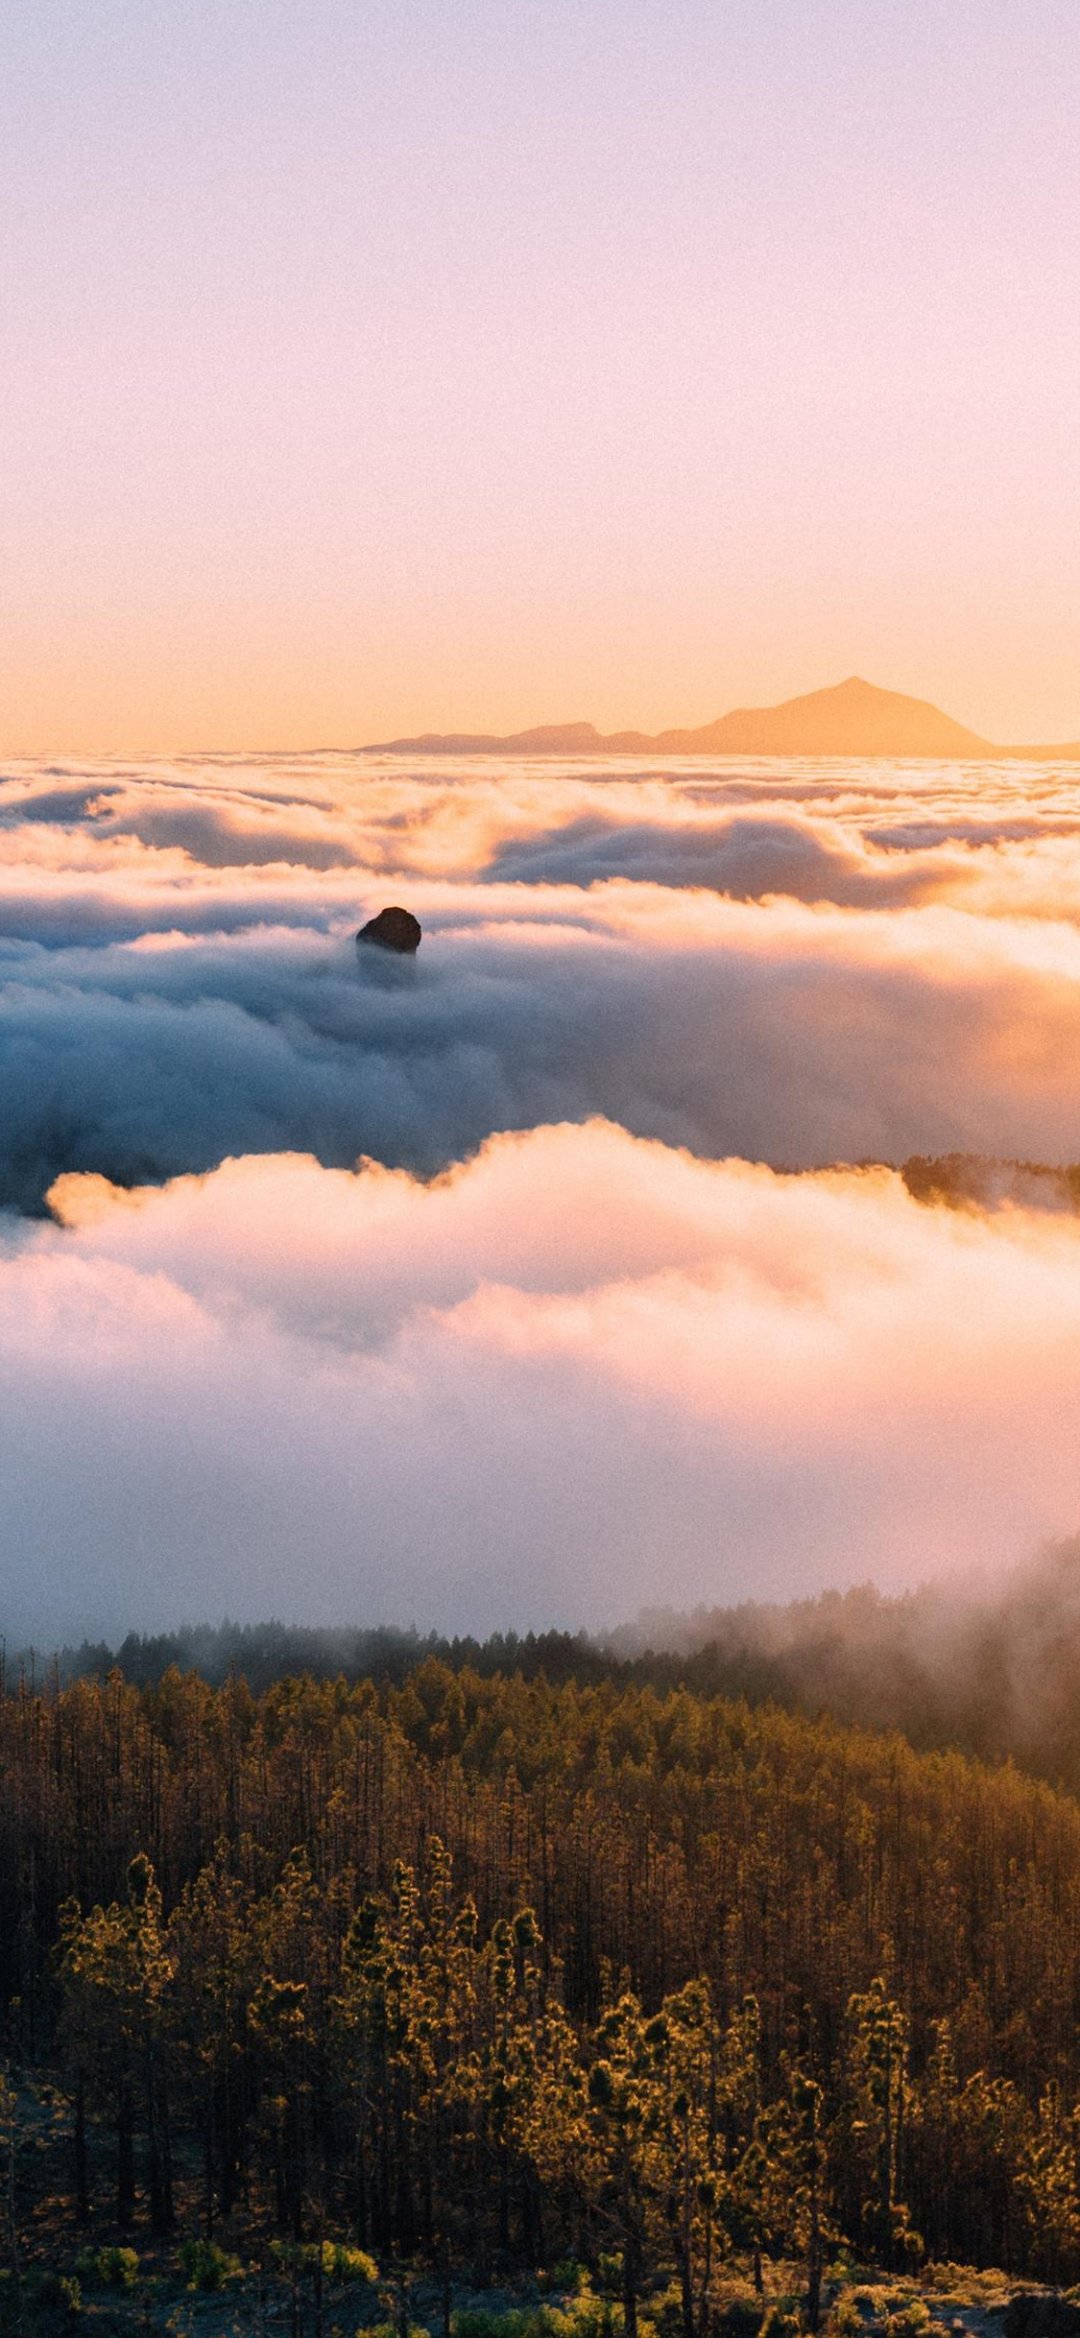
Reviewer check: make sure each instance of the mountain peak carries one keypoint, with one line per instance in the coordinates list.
(853, 717)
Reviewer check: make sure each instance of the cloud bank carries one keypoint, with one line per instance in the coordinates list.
(332, 1394)
(562, 1344)
(793, 963)
(784, 1035)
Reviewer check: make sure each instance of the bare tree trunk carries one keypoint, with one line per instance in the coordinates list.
(318, 2283)
(11, 2219)
(82, 2173)
(125, 2157)
(630, 2280)
(446, 2295)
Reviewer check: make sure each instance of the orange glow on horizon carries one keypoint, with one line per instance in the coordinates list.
(368, 372)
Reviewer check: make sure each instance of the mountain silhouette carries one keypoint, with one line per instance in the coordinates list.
(851, 718)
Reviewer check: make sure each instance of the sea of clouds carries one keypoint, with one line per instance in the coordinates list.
(611, 1311)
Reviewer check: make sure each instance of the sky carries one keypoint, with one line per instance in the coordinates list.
(580, 1261)
(368, 369)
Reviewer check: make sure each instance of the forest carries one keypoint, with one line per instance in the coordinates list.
(992, 1670)
(485, 1975)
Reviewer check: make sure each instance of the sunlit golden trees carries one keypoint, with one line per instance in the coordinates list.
(625, 2113)
(495, 1971)
(689, 2082)
(879, 2097)
(116, 1970)
(215, 1971)
(1048, 2187)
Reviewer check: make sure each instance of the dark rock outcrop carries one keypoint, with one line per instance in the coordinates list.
(393, 929)
(1041, 2314)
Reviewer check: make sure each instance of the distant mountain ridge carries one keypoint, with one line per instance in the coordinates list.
(851, 718)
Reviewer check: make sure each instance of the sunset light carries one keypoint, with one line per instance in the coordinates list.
(540, 1169)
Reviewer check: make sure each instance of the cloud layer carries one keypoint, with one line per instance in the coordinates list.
(600, 1356)
(331, 1394)
(741, 966)
(787, 1035)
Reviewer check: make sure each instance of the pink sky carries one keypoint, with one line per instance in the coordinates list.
(370, 369)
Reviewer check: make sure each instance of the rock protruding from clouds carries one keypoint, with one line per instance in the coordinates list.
(393, 929)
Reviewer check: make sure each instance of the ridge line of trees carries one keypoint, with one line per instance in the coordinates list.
(995, 1673)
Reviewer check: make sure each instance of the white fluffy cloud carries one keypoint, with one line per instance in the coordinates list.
(583, 1368)
(574, 1375)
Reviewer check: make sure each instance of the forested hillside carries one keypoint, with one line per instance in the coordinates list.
(993, 1672)
(490, 1970)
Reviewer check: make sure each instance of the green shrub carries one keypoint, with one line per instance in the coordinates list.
(340, 2261)
(589, 2316)
(583, 2316)
(780, 2322)
(109, 2268)
(910, 2319)
(208, 2267)
(665, 2309)
(37, 2305)
(586, 2316)
(569, 2276)
(519, 2322)
(942, 2274)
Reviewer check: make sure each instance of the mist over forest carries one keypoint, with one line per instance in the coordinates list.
(992, 1671)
